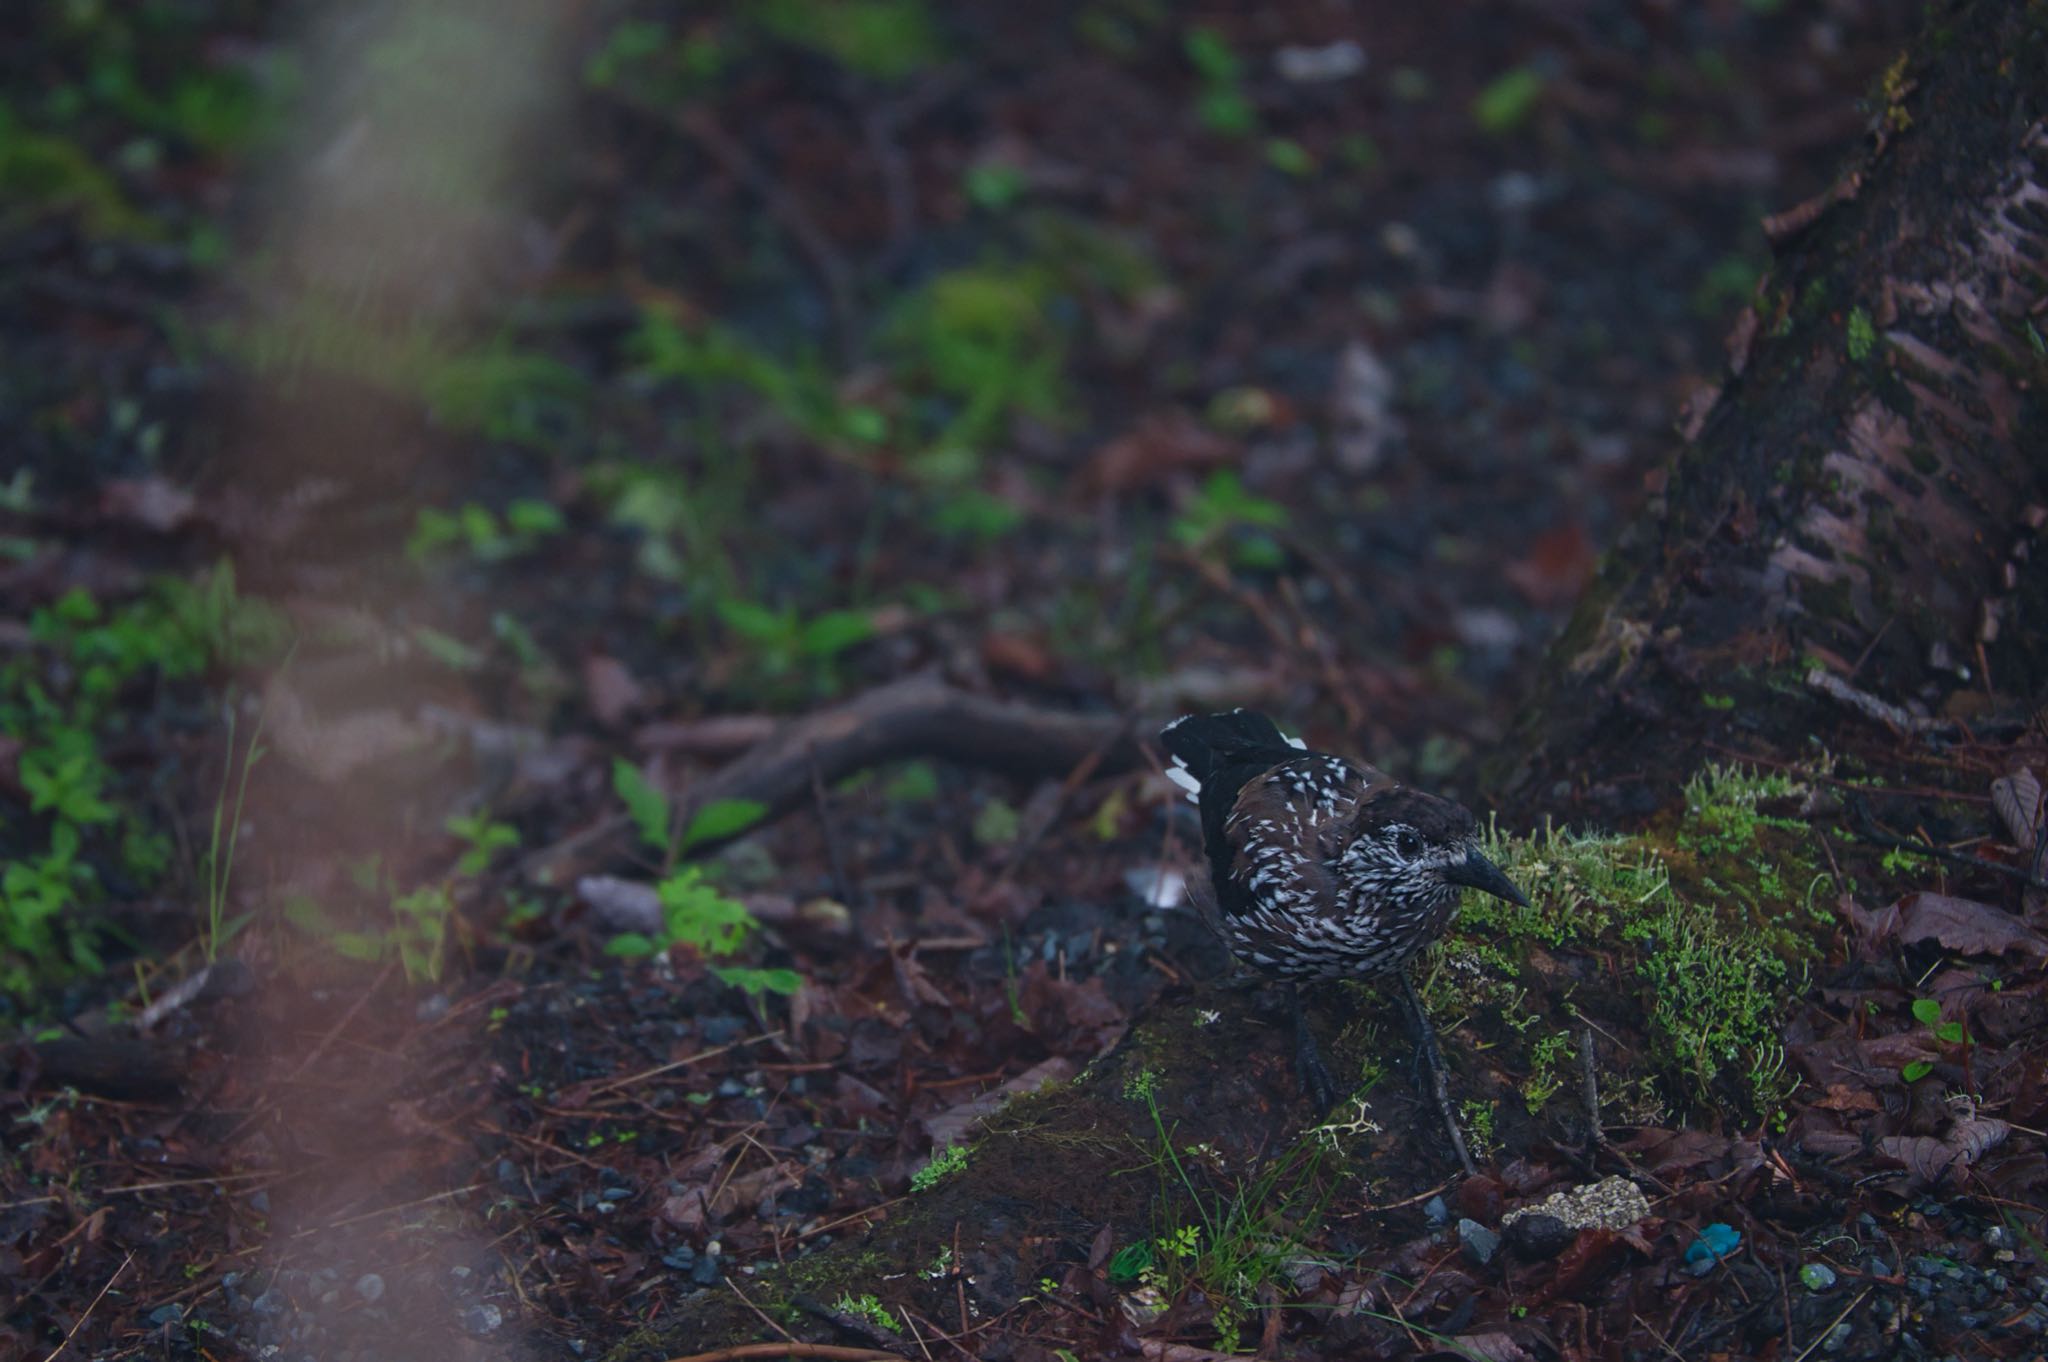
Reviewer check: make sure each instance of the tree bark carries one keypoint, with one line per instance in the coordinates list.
(1859, 498)
(1862, 494)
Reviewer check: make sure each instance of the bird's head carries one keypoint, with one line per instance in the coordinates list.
(1411, 848)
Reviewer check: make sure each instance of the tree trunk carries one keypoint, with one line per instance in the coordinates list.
(1860, 496)
(1856, 501)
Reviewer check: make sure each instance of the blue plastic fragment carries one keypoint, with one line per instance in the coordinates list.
(1715, 1242)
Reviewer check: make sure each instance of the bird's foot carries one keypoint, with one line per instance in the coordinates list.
(1323, 1092)
(1322, 1089)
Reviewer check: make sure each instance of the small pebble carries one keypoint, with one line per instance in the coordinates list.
(1998, 1237)
(1479, 1242)
(705, 1272)
(1838, 1337)
(166, 1314)
(1437, 1211)
(370, 1286)
(1817, 1276)
(482, 1318)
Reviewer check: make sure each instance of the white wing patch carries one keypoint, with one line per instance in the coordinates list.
(1180, 775)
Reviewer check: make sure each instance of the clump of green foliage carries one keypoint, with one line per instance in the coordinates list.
(1222, 104)
(496, 388)
(1224, 519)
(1711, 917)
(943, 1164)
(867, 1307)
(482, 532)
(64, 700)
(885, 40)
(1508, 103)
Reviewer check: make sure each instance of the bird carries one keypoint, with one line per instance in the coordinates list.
(1326, 869)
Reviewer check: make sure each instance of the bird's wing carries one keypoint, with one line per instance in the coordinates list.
(1284, 829)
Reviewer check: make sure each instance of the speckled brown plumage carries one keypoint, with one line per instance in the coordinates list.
(1324, 868)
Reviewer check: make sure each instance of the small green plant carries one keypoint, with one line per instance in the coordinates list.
(1222, 104)
(868, 1308)
(1477, 1117)
(643, 58)
(1509, 102)
(1546, 1076)
(222, 841)
(942, 1165)
(1290, 157)
(1230, 1243)
(419, 931)
(1927, 1012)
(481, 532)
(993, 185)
(695, 912)
(1862, 337)
(783, 644)
(884, 40)
(482, 840)
(983, 343)
(1223, 516)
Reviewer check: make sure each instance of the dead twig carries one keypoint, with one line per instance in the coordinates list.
(842, 884)
(831, 1351)
(920, 716)
(1846, 1311)
(90, 1308)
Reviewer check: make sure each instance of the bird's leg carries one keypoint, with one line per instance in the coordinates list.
(1433, 1057)
(1308, 1060)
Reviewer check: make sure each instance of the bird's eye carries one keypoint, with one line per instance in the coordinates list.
(1407, 843)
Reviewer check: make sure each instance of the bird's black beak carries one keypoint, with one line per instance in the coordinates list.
(1481, 874)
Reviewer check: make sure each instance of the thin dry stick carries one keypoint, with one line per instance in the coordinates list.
(1831, 1325)
(831, 1351)
(772, 1325)
(675, 1064)
(387, 1210)
(90, 1308)
(849, 893)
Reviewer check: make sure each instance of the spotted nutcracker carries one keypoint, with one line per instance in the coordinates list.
(1325, 870)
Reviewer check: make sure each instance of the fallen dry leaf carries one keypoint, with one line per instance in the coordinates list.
(149, 502)
(1556, 569)
(1160, 445)
(1929, 1161)
(1967, 926)
(611, 689)
(2017, 797)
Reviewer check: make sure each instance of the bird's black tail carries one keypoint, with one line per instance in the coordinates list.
(1213, 756)
(1208, 744)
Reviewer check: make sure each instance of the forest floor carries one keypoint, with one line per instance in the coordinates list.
(364, 631)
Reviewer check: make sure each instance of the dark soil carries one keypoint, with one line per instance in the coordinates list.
(1447, 346)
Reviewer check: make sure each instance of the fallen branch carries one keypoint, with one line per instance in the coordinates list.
(921, 716)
